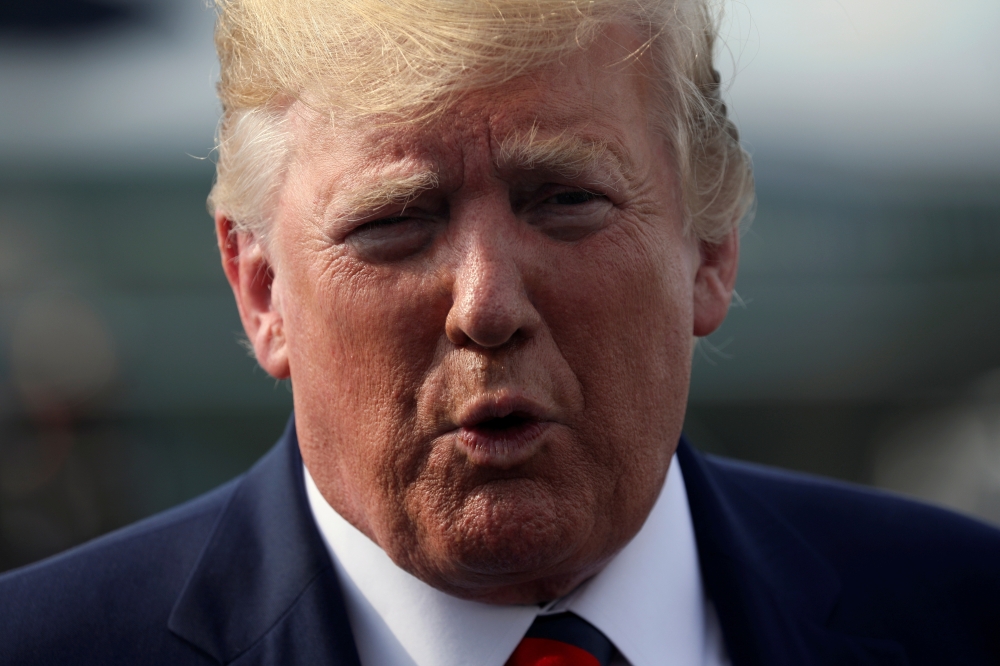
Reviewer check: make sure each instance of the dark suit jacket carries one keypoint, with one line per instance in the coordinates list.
(802, 571)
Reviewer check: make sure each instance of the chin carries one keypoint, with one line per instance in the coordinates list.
(511, 542)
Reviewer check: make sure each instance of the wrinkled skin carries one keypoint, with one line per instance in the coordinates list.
(569, 298)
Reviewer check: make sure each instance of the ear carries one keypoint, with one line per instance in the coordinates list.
(252, 279)
(714, 282)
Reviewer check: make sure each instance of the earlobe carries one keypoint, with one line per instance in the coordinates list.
(714, 282)
(252, 279)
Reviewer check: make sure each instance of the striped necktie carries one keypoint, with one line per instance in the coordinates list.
(564, 639)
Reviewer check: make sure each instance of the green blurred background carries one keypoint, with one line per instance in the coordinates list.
(864, 345)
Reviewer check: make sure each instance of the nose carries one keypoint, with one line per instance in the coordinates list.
(491, 306)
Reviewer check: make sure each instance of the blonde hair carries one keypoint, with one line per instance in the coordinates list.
(405, 58)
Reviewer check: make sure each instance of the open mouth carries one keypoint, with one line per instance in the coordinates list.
(495, 439)
(499, 424)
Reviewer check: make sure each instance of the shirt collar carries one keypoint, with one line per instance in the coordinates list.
(648, 600)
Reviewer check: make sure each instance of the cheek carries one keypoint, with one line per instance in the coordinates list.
(359, 347)
(364, 337)
(622, 319)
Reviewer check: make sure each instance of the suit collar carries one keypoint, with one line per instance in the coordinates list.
(773, 592)
(264, 575)
(264, 589)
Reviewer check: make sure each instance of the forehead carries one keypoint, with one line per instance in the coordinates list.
(599, 96)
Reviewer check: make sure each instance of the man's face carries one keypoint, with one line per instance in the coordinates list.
(488, 322)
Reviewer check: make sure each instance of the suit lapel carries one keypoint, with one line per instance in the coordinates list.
(264, 590)
(773, 592)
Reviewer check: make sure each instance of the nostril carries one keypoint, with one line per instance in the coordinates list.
(490, 303)
(489, 325)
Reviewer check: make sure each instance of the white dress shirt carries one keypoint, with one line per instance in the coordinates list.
(649, 600)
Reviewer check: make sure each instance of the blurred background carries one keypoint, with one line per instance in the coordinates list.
(865, 344)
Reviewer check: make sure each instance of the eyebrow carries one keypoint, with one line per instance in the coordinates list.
(567, 155)
(389, 191)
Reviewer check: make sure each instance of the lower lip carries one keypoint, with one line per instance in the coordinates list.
(501, 448)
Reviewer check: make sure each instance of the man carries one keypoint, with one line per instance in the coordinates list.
(480, 239)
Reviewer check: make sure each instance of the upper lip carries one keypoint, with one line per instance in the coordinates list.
(499, 406)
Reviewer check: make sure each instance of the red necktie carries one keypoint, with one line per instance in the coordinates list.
(564, 639)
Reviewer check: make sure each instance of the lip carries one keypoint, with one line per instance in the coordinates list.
(505, 447)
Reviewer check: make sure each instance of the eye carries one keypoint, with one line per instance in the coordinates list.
(569, 214)
(393, 238)
(572, 198)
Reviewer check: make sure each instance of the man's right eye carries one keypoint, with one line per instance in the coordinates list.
(392, 238)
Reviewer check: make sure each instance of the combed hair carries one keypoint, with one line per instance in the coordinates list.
(406, 58)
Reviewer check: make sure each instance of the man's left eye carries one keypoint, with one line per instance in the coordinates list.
(570, 214)
(572, 198)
